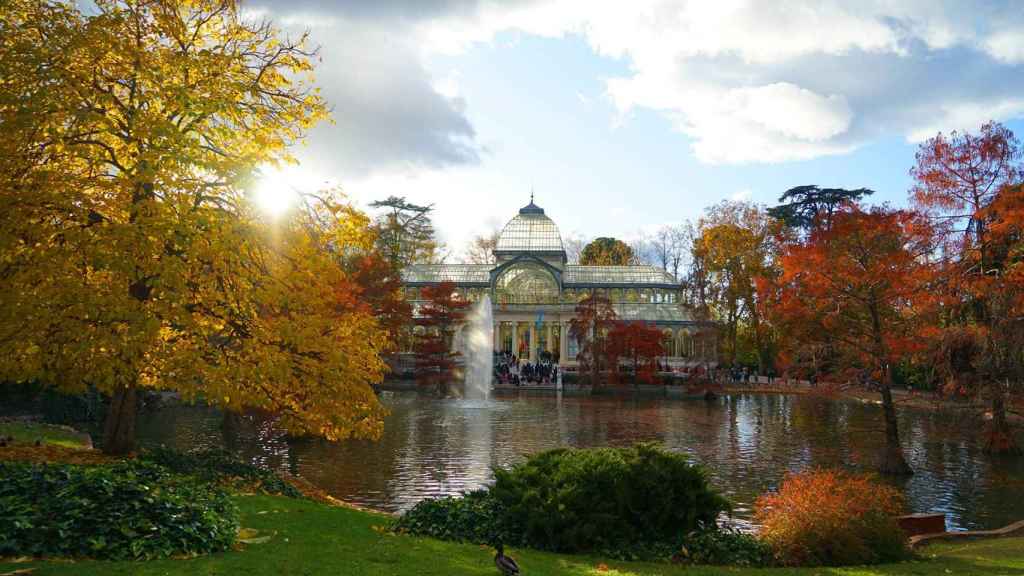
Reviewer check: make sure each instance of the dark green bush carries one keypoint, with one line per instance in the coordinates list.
(624, 502)
(725, 547)
(130, 510)
(572, 500)
(473, 517)
(221, 467)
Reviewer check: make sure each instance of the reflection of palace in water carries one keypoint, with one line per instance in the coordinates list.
(534, 291)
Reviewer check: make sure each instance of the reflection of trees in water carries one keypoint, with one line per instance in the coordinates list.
(746, 442)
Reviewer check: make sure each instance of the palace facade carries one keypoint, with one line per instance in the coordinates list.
(534, 291)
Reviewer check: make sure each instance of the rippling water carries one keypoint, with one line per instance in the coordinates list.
(747, 443)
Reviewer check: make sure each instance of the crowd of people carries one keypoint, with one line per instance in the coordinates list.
(510, 369)
(738, 374)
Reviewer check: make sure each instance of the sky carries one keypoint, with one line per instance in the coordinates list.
(625, 116)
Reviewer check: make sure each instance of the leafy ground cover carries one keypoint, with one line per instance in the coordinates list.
(300, 537)
(129, 510)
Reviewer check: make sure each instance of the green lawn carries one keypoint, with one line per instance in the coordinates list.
(307, 538)
(29, 432)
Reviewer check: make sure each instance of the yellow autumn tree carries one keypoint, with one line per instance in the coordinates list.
(736, 244)
(130, 254)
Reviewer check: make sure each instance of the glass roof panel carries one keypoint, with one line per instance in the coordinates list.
(456, 273)
(651, 312)
(530, 231)
(637, 275)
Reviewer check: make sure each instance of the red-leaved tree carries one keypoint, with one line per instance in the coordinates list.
(640, 344)
(380, 290)
(968, 184)
(438, 319)
(594, 319)
(865, 280)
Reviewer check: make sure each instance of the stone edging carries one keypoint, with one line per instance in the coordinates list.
(1011, 530)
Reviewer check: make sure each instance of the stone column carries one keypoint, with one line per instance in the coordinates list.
(563, 342)
(533, 342)
(516, 329)
(497, 337)
(547, 332)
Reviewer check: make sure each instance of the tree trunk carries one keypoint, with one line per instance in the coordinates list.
(119, 427)
(893, 462)
(999, 438)
(230, 429)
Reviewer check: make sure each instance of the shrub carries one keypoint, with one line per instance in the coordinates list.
(130, 510)
(221, 467)
(725, 547)
(603, 499)
(832, 518)
(473, 517)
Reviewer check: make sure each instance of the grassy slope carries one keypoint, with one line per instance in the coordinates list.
(312, 539)
(29, 432)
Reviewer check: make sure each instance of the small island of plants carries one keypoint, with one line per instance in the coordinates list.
(647, 503)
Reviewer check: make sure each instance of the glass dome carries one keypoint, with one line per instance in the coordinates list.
(530, 231)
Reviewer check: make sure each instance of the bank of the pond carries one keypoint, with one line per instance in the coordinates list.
(311, 539)
(918, 400)
(25, 431)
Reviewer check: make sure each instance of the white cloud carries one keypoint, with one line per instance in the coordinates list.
(742, 195)
(747, 81)
(967, 116)
(1006, 46)
(753, 81)
(792, 111)
(388, 112)
(449, 86)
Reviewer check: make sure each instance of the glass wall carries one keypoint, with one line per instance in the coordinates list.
(526, 283)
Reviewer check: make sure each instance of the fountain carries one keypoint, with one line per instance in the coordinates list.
(478, 350)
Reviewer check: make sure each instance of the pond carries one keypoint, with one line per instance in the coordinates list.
(747, 442)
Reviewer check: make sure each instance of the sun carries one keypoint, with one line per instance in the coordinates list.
(275, 192)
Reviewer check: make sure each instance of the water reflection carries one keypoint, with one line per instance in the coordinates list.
(747, 442)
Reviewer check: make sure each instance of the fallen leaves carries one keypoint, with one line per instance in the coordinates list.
(48, 453)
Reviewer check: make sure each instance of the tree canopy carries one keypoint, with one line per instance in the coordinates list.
(804, 207)
(481, 248)
(405, 231)
(133, 255)
(736, 247)
(438, 320)
(638, 343)
(864, 283)
(969, 185)
(606, 251)
(594, 318)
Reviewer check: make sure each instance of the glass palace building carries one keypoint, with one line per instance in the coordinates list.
(534, 291)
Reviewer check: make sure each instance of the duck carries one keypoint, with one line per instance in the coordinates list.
(506, 565)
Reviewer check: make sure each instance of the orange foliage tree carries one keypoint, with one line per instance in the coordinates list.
(969, 185)
(864, 281)
(439, 318)
(594, 319)
(640, 344)
(829, 517)
(379, 284)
